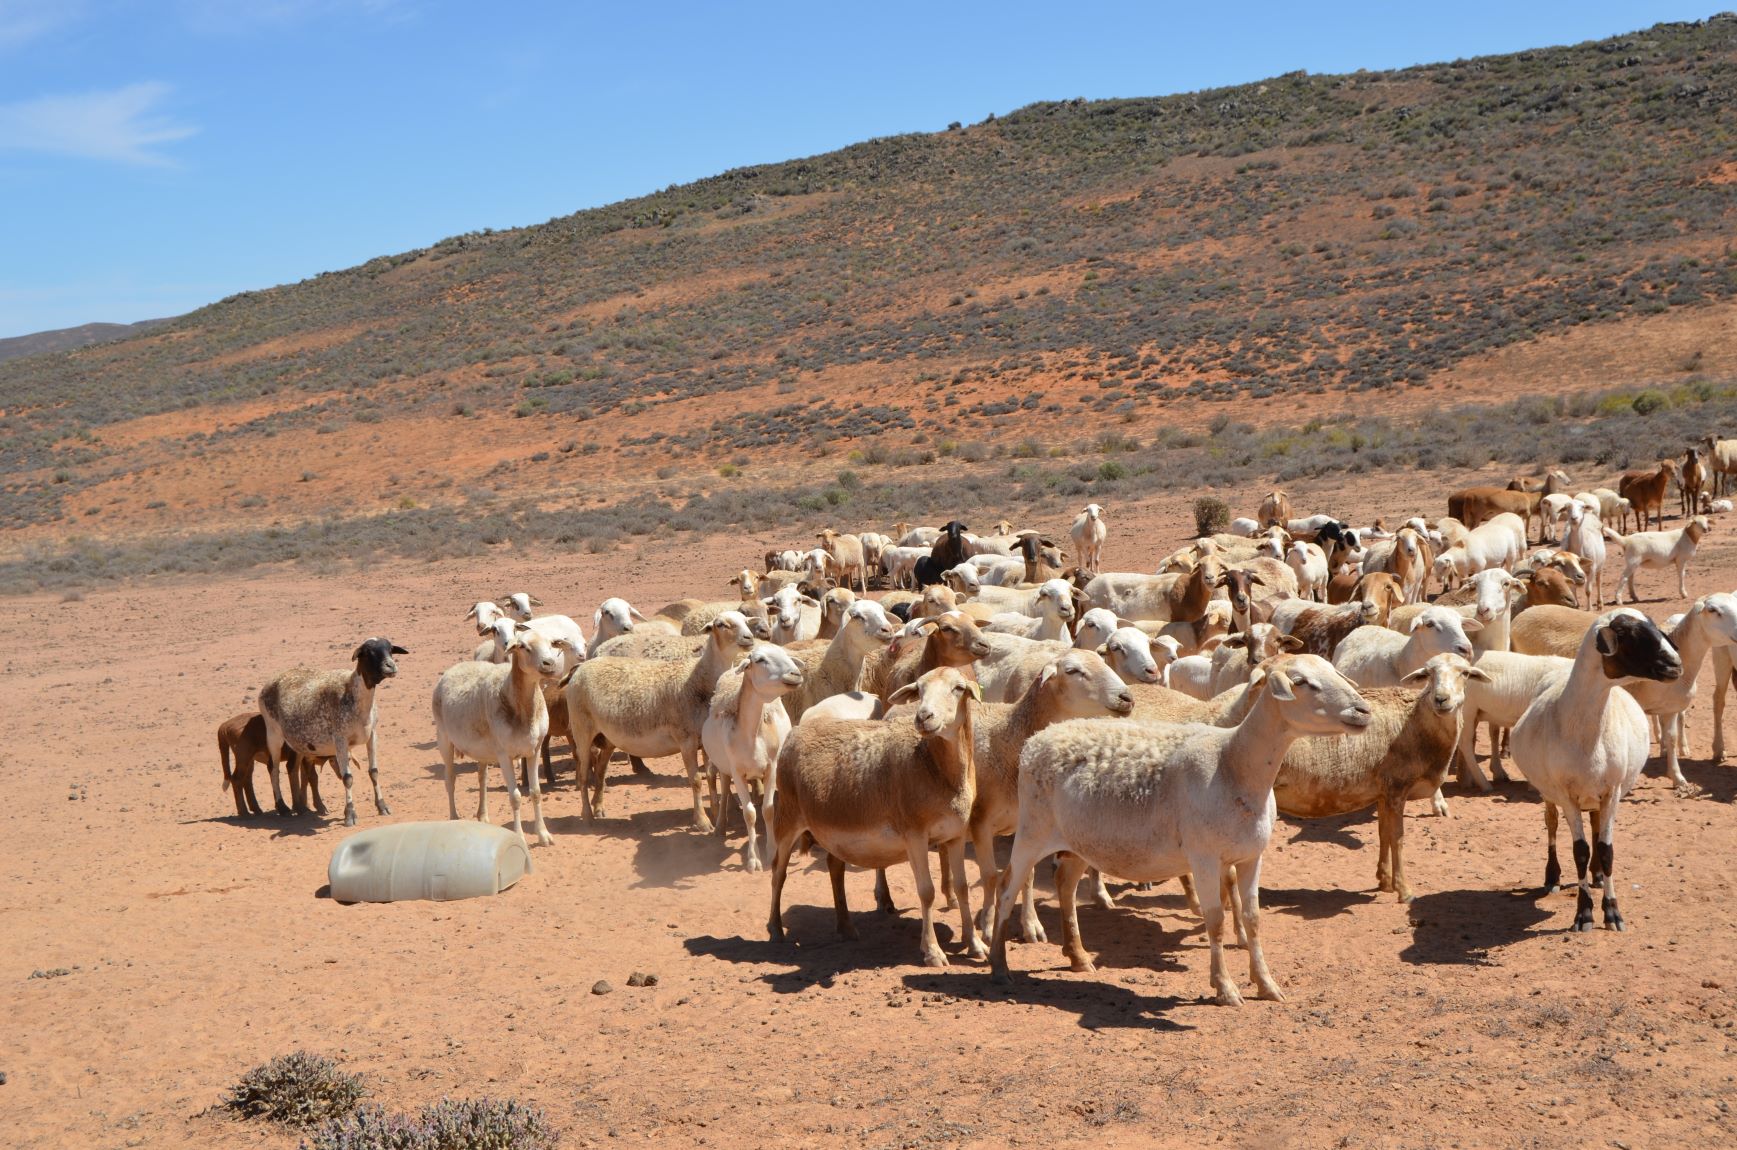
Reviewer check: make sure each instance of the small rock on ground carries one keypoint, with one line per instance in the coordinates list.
(601, 986)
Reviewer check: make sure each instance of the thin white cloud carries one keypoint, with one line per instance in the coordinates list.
(229, 18)
(22, 21)
(121, 125)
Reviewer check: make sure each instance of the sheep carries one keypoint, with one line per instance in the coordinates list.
(1165, 598)
(1275, 509)
(837, 667)
(1403, 754)
(1407, 557)
(873, 543)
(1721, 461)
(847, 555)
(1309, 562)
(992, 570)
(938, 599)
(948, 551)
(1193, 636)
(1028, 600)
(1192, 675)
(833, 605)
(1378, 587)
(916, 536)
(1550, 630)
(1076, 685)
(494, 648)
(899, 564)
(244, 737)
(1691, 480)
(1152, 801)
(518, 606)
(745, 727)
(876, 793)
(1089, 534)
(1584, 537)
(1137, 657)
(793, 615)
(1244, 527)
(1320, 629)
(326, 713)
(1499, 541)
(648, 708)
(1055, 608)
(1378, 657)
(783, 561)
(496, 713)
(485, 612)
(1645, 491)
(1234, 660)
(697, 620)
(1582, 744)
(1717, 506)
(1710, 624)
(1659, 549)
(1042, 559)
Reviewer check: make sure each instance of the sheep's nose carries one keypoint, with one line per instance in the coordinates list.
(1125, 703)
(1463, 650)
(793, 678)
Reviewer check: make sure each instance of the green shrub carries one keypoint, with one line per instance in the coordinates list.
(1648, 402)
(1211, 515)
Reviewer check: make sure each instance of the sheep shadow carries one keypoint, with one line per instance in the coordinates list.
(282, 826)
(1461, 927)
(1099, 1005)
(1334, 830)
(1315, 904)
(813, 953)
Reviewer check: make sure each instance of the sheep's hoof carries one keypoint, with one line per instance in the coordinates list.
(847, 931)
(1001, 976)
(381, 807)
(977, 950)
(283, 810)
(703, 825)
(754, 866)
(934, 958)
(1032, 932)
(1080, 964)
(1270, 993)
(1228, 995)
(639, 767)
(544, 838)
(350, 816)
(1104, 900)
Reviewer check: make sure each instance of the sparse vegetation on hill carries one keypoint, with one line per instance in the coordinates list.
(1049, 275)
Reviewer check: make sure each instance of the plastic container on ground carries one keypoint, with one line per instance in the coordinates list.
(428, 860)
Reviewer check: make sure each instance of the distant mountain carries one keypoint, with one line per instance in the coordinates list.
(71, 338)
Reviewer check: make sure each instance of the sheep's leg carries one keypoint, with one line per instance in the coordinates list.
(344, 772)
(884, 893)
(783, 833)
(1604, 860)
(988, 877)
(1209, 883)
(544, 838)
(1248, 883)
(1384, 856)
(1016, 875)
(917, 850)
(1069, 869)
(1438, 803)
(1582, 860)
(1101, 893)
(1552, 865)
(310, 774)
(1720, 683)
(691, 760)
(953, 858)
(596, 776)
(1189, 893)
(271, 757)
(1233, 902)
(948, 899)
(1668, 742)
(380, 806)
(835, 868)
(750, 816)
(510, 772)
(1498, 737)
(1466, 758)
(637, 763)
(1393, 833)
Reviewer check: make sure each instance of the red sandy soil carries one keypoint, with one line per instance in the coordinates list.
(198, 944)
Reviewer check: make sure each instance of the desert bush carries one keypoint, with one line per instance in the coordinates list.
(298, 1089)
(1211, 515)
(450, 1124)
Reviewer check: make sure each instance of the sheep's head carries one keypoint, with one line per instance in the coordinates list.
(1441, 629)
(1136, 657)
(944, 698)
(534, 651)
(1080, 685)
(485, 612)
(870, 618)
(937, 598)
(1446, 675)
(1632, 647)
(1549, 586)
(1495, 589)
(519, 605)
(374, 660)
(1719, 613)
(955, 638)
(613, 617)
(1094, 627)
(1313, 697)
(1057, 595)
(731, 627)
(963, 579)
(772, 670)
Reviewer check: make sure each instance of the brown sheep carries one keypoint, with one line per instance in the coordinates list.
(1275, 510)
(1645, 491)
(846, 552)
(1473, 505)
(1691, 481)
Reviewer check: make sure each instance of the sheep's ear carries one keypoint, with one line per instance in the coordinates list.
(397, 650)
(1416, 676)
(1415, 623)
(1291, 643)
(1606, 641)
(1281, 685)
(807, 602)
(520, 628)
(904, 694)
(1471, 625)
(928, 626)
(535, 602)
(597, 620)
(634, 611)
(1043, 677)
(733, 581)
(1256, 579)
(1479, 674)
(1236, 641)
(977, 688)
(471, 614)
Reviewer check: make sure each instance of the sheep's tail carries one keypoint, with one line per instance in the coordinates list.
(223, 756)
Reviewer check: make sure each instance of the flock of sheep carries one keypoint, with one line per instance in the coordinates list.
(1145, 726)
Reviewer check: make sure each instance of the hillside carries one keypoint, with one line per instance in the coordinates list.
(1073, 277)
(70, 338)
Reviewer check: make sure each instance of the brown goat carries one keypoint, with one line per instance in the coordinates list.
(1691, 481)
(1275, 510)
(1473, 505)
(1645, 491)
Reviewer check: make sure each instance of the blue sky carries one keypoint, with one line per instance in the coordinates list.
(155, 156)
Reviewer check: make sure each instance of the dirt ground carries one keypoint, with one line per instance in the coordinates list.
(196, 945)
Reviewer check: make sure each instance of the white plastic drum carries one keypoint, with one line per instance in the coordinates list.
(444, 860)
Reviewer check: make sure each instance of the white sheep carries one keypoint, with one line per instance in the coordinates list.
(1155, 801)
(1659, 549)
(1710, 624)
(793, 615)
(1054, 609)
(1310, 563)
(899, 564)
(1582, 744)
(1089, 533)
(315, 713)
(496, 713)
(1244, 527)
(1379, 657)
(1584, 537)
(837, 667)
(745, 727)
